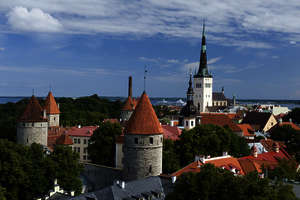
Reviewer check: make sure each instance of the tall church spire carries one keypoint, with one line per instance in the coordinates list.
(203, 71)
(190, 91)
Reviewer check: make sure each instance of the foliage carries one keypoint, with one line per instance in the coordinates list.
(209, 140)
(27, 172)
(286, 169)
(213, 183)
(294, 115)
(170, 158)
(102, 143)
(163, 111)
(290, 137)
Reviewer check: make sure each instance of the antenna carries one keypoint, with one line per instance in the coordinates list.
(145, 74)
(32, 91)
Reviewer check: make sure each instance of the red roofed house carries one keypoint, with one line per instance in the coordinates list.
(171, 132)
(247, 131)
(143, 142)
(220, 119)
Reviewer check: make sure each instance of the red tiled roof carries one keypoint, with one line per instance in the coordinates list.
(171, 132)
(64, 140)
(269, 143)
(33, 112)
(246, 128)
(50, 105)
(85, 131)
(219, 119)
(268, 156)
(228, 163)
(129, 104)
(144, 120)
(294, 126)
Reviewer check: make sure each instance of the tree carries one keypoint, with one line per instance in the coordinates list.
(102, 143)
(171, 162)
(294, 115)
(213, 183)
(286, 169)
(290, 137)
(209, 140)
(67, 168)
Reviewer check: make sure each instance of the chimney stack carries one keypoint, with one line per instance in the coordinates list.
(130, 87)
(254, 151)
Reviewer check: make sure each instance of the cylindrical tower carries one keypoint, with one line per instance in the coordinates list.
(33, 125)
(143, 143)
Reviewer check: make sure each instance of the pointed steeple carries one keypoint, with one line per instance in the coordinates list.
(144, 120)
(50, 105)
(33, 112)
(190, 91)
(203, 71)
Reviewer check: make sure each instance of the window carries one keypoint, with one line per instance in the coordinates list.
(192, 123)
(75, 140)
(136, 140)
(85, 150)
(78, 140)
(150, 169)
(198, 85)
(151, 140)
(207, 85)
(78, 149)
(186, 123)
(84, 141)
(84, 157)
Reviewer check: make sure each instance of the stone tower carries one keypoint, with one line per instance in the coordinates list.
(129, 105)
(52, 111)
(33, 126)
(203, 80)
(143, 142)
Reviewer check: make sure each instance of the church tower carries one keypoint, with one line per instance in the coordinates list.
(52, 111)
(143, 142)
(203, 80)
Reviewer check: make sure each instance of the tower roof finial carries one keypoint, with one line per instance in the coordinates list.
(203, 29)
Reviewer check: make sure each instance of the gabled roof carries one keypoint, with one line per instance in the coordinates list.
(143, 120)
(33, 112)
(219, 119)
(259, 119)
(64, 139)
(218, 96)
(129, 104)
(50, 105)
(171, 132)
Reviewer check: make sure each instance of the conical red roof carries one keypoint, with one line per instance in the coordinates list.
(64, 140)
(33, 112)
(129, 105)
(144, 120)
(50, 105)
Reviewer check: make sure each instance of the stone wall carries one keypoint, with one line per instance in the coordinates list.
(142, 156)
(36, 132)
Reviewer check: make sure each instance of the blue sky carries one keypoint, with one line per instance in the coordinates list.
(87, 47)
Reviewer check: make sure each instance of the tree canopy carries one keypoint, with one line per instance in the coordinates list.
(102, 143)
(209, 140)
(27, 172)
(294, 115)
(213, 183)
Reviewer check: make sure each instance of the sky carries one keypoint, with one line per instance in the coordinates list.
(80, 48)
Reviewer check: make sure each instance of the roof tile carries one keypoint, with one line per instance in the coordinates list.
(50, 105)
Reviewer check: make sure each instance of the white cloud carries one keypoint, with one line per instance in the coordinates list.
(173, 61)
(2, 49)
(155, 60)
(214, 60)
(34, 20)
(293, 42)
(228, 22)
(193, 66)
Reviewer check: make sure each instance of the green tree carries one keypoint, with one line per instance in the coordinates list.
(290, 137)
(171, 162)
(286, 169)
(67, 168)
(213, 183)
(294, 115)
(209, 140)
(102, 143)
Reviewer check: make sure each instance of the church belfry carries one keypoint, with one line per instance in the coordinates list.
(203, 80)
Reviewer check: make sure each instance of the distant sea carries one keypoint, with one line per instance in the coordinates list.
(171, 101)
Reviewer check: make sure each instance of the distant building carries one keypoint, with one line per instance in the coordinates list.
(32, 126)
(143, 142)
(260, 121)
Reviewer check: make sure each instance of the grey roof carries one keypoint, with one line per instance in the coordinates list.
(218, 96)
(133, 190)
(59, 196)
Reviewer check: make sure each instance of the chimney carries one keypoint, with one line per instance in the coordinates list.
(130, 87)
(254, 151)
(276, 147)
(280, 121)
